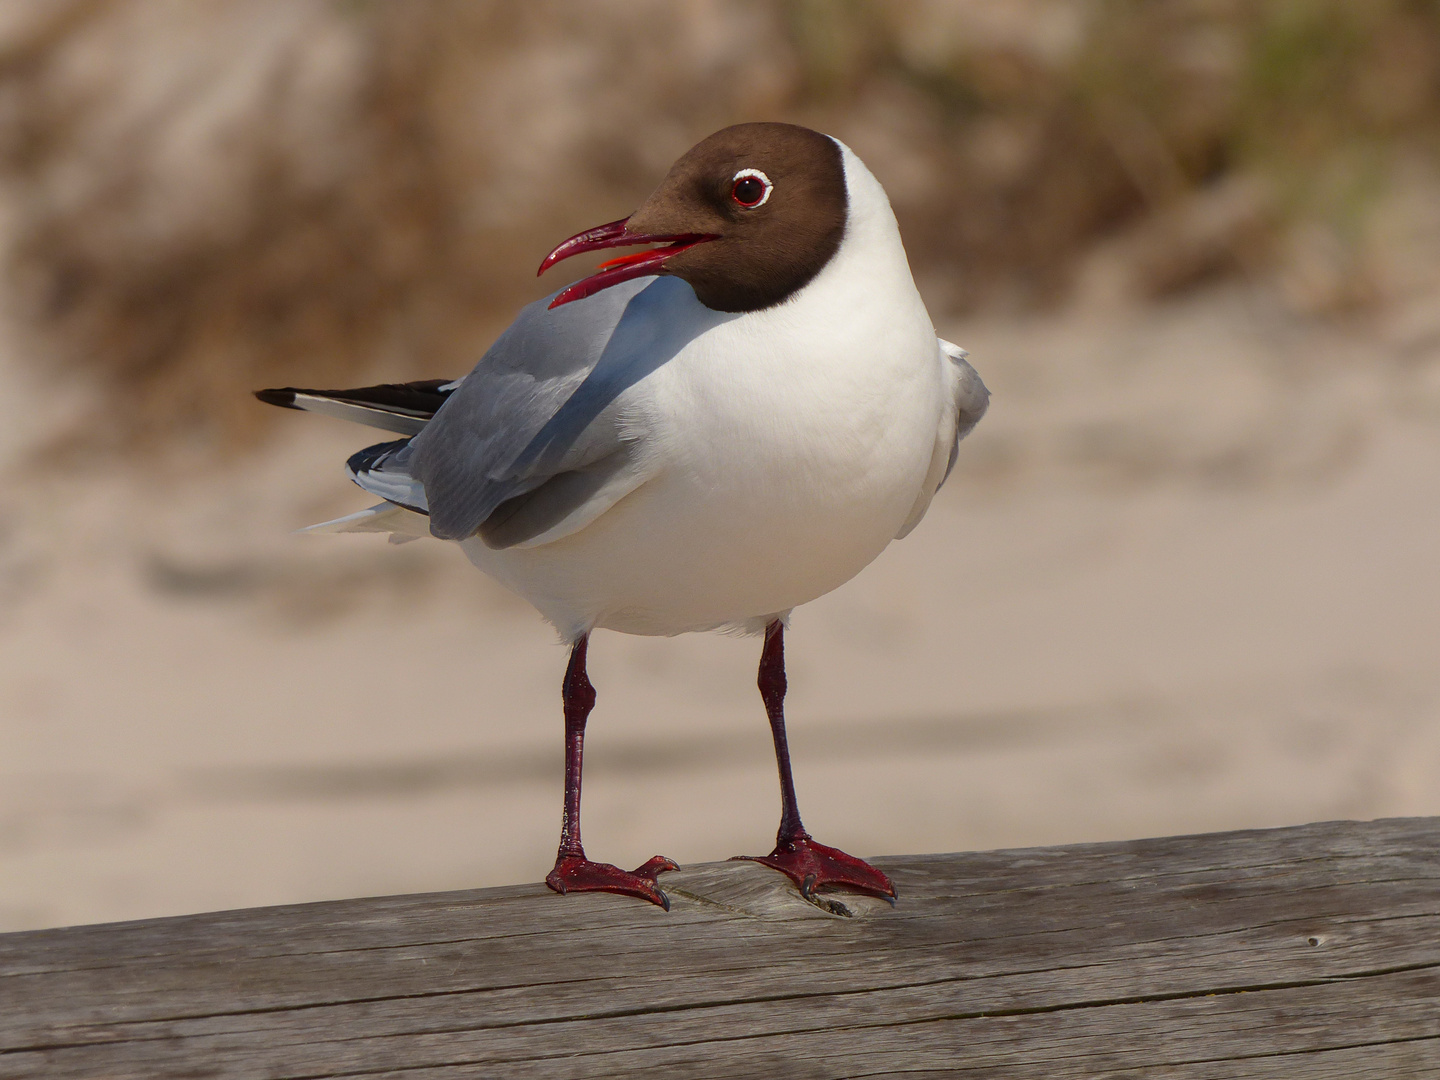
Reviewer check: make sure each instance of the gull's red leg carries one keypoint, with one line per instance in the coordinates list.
(573, 871)
(805, 862)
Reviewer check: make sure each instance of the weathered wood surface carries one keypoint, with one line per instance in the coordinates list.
(1291, 953)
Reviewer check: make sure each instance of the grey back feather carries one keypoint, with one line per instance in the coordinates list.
(542, 400)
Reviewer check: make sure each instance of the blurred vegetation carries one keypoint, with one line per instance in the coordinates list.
(209, 197)
(1068, 123)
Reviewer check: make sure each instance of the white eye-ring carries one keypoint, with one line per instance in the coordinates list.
(750, 188)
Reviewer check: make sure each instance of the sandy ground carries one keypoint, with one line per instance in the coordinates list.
(1185, 579)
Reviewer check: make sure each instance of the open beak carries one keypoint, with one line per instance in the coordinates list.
(638, 264)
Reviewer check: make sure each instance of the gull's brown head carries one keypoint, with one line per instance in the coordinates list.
(747, 217)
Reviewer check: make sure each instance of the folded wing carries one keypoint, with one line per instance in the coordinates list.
(969, 399)
(535, 442)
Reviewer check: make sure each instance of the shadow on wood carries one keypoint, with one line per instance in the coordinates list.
(1297, 953)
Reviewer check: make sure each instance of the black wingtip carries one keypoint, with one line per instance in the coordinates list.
(283, 396)
(417, 399)
(363, 461)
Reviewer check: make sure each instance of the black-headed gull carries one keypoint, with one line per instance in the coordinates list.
(698, 436)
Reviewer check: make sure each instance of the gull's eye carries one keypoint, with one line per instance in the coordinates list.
(750, 188)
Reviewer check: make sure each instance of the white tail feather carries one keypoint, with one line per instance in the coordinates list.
(360, 413)
(402, 524)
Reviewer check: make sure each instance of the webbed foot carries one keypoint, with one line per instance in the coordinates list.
(575, 873)
(811, 864)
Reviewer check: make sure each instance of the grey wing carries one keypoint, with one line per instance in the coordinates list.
(971, 398)
(531, 446)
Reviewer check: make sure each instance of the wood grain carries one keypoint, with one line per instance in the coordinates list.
(1298, 953)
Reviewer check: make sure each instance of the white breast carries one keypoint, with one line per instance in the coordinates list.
(789, 446)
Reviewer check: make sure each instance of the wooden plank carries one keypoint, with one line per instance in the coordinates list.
(1299, 953)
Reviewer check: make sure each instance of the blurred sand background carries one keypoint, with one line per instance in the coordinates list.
(1184, 578)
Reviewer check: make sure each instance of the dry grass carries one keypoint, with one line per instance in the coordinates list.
(210, 196)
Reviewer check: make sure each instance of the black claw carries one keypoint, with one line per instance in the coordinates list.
(807, 890)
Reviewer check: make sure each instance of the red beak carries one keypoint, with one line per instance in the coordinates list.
(624, 268)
